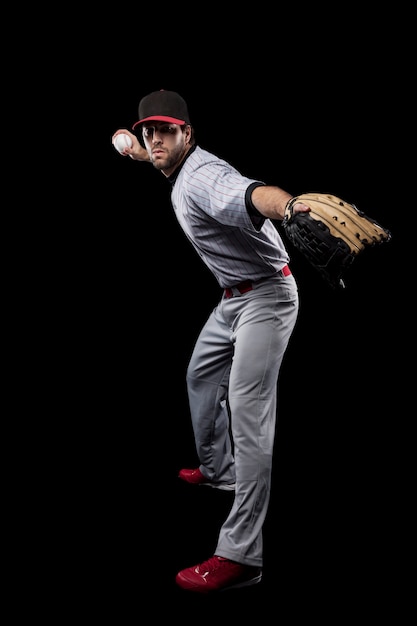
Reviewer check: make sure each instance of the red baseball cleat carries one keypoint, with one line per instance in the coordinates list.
(195, 477)
(218, 574)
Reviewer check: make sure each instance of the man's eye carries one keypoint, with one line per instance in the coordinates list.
(165, 129)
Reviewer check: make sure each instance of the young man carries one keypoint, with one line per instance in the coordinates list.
(233, 372)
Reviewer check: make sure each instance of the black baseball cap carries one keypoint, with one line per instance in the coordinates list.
(163, 106)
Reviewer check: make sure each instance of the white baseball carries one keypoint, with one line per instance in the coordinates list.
(122, 141)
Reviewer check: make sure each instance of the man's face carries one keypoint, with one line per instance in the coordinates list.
(165, 143)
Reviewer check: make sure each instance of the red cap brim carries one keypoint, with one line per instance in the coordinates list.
(159, 118)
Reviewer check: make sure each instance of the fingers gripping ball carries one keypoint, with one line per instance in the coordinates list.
(121, 142)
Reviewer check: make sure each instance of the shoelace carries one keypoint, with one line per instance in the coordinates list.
(212, 564)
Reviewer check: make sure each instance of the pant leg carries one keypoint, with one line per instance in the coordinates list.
(261, 322)
(207, 385)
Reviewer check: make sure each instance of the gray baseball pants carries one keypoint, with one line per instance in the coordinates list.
(232, 384)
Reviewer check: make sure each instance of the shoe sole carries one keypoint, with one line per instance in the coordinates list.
(246, 583)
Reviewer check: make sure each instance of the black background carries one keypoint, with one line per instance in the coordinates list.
(307, 118)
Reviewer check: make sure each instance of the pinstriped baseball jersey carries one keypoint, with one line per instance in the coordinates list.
(208, 197)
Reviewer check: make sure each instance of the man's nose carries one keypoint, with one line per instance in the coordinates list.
(156, 136)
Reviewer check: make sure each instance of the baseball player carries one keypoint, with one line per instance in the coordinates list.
(233, 371)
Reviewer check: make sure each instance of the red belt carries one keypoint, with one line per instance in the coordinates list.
(247, 285)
